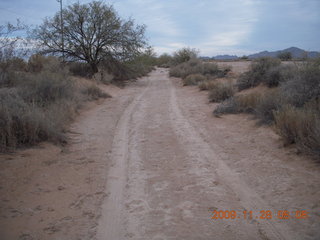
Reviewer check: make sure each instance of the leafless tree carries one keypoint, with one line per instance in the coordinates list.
(93, 33)
(11, 44)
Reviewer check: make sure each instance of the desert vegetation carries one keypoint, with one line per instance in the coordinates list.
(291, 104)
(40, 94)
(192, 70)
(39, 100)
(287, 96)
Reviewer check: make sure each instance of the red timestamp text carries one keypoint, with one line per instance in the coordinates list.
(263, 214)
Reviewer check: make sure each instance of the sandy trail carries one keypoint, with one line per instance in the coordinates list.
(153, 163)
(168, 177)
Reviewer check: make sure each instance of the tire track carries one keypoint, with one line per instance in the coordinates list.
(111, 225)
(206, 156)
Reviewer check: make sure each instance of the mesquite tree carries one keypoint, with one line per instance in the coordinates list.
(93, 33)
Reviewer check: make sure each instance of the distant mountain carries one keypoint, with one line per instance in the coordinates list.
(296, 53)
(225, 57)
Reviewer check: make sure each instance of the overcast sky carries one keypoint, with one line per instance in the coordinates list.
(212, 26)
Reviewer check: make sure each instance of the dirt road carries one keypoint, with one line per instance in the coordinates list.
(153, 163)
(167, 178)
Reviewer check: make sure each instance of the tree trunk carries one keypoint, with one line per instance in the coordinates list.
(94, 68)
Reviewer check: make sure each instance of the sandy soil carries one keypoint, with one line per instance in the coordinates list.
(153, 163)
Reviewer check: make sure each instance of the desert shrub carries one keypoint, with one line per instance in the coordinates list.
(304, 85)
(228, 106)
(164, 60)
(285, 56)
(22, 123)
(206, 85)
(261, 105)
(238, 104)
(220, 92)
(210, 69)
(8, 69)
(193, 66)
(257, 73)
(80, 69)
(266, 105)
(93, 92)
(14, 64)
(103, 76)
(286, 123)
(38, 63)
(276, 75)
(46, 87)
(196, 66)
(193, 79)
(300, 126)
(183, 55)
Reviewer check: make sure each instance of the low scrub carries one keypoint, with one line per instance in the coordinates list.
(220, 92)
(261, 105)
(80, 69)
(238, 104)
(26, 124)
(300, 126)
(304, 85)
(196, 66)
(293, 107)
(94, 93)
(266, 104)
(183, 55)
(258, 73)
(207, 85)
(39, 103)
(46, 88)
(193, 66)
(193, 79)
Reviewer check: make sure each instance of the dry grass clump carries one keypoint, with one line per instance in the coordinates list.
(39, 102)
(206, 85)
(94, 93)
(193, 79)
(26, 124)
(221, 91)
(300, 126)
(238, 104)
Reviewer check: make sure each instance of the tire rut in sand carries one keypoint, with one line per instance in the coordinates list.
(112, 217)
(248, 199)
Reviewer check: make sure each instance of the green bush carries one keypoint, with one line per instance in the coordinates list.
(220, 92)
(183, 55)
(164, 60)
